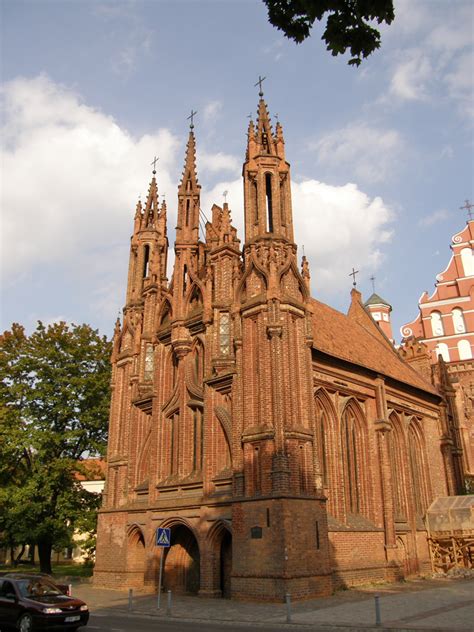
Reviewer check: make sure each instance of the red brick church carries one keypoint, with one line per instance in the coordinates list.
(287, 445)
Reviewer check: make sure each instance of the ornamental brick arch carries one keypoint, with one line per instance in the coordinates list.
(326, 436)
(417, 468)
(397, 452)
(181, 568)
(355, 462)
(219, 553)
(136, 556)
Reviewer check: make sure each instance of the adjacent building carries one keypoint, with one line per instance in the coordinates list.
(445, 325)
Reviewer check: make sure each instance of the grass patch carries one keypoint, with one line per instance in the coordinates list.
(59, 570)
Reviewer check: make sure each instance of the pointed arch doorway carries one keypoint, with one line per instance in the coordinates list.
(182, 563)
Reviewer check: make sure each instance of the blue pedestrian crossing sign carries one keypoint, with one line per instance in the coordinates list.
(163, 537)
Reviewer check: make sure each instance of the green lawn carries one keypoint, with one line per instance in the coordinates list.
(59, 570)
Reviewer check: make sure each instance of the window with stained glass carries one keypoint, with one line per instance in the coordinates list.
(224, 333)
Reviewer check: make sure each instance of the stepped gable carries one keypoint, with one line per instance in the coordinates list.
(342, 337)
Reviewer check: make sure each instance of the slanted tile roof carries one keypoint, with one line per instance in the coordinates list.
(91, 470)
(356, 338)
(375, 299)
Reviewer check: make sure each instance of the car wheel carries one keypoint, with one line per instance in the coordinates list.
(25, 623)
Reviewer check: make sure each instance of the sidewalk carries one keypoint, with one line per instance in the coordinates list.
(440, 605)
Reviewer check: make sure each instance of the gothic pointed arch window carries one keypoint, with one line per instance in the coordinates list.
(198, 362)
(146, 260)
(166, 314)
(417, 468)
(269, 202)
(354, 459)
(195, 300)
(397, 469)
(325, 424)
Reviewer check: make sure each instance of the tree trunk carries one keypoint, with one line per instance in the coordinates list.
(32, 554)
(20, 554)
(44, 553)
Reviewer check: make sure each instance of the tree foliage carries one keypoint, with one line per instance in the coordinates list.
(347, 27)
(54, 394)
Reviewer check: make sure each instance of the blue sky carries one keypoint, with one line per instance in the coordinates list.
(381, 156)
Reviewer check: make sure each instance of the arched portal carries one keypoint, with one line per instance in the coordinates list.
(135, 556)
(181, 572)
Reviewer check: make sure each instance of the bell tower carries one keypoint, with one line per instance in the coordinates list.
(277, 474)
(267, 193)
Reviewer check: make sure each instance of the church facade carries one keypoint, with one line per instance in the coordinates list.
(288, 446)
(445, 325)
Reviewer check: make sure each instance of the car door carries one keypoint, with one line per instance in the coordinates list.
(9, 607)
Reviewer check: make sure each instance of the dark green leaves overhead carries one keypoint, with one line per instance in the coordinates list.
(348, 23)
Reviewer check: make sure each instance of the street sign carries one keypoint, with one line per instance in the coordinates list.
(163, 537)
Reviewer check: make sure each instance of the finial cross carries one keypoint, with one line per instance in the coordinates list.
(259, 83)
(468, 207)
(353, 275)
(372, 278)
(225, 194)
(191, 116)
(153, 162)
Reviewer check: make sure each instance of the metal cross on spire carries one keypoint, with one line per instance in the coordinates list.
(353, 275)
(191, 116)
(259, 83)
(468, 207)
(372, 278)
(153, 162)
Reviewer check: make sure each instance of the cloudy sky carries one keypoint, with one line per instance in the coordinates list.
(381, 155)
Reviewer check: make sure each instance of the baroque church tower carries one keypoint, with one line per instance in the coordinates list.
(269, 432)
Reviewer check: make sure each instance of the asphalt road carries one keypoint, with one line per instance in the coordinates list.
(131, 623)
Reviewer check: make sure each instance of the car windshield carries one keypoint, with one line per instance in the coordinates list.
(34, 588)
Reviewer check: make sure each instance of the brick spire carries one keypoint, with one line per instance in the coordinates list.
(266, 180)
(187, 230)
(151, 212)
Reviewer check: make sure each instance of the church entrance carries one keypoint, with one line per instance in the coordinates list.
(226, 564)
(182, 563)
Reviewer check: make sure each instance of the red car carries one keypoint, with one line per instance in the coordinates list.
(30, 602)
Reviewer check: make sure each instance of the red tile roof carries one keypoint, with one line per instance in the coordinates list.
(92, 470)
(355, 337)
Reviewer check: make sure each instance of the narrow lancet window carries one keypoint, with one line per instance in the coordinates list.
(268, 197)
(146, 261)
(187, 212)
(224, 333)
(148, 373)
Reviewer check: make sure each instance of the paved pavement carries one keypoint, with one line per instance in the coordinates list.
(435, 604)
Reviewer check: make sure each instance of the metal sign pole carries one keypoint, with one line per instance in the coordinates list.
(160, 578)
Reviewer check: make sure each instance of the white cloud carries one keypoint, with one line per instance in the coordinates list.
(71, 179)
(217, 162)
(434, 218)
(411, 76)
(370, 152)
(433, 53)
(212, 110)
(340, 227)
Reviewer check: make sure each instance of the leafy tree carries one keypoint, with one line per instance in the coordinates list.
(347, 25)
(54, 394)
